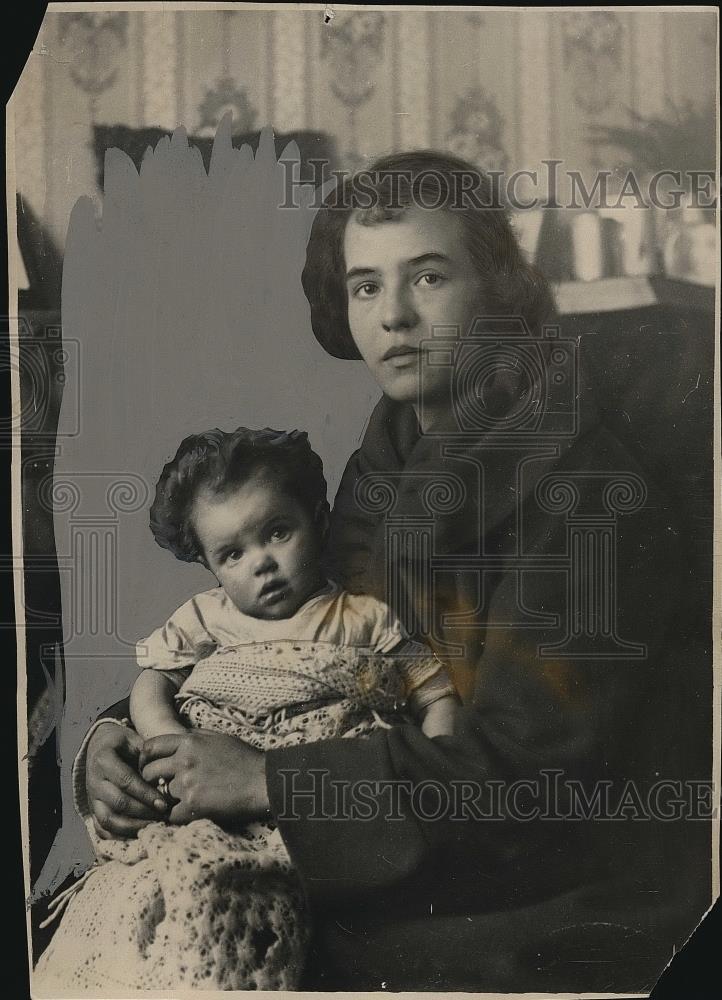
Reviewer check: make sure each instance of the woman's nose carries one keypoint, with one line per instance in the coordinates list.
(398, 310)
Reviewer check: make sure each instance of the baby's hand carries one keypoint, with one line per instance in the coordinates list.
(441, 717)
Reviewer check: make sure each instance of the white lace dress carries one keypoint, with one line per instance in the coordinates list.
(195, 907)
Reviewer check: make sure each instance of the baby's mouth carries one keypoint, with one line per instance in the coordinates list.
(273, 591)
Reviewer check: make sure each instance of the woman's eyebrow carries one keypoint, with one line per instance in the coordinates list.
(430, 255)
(356, 272)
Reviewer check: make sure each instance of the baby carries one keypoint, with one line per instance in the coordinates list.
(251, 506)
(275, 655)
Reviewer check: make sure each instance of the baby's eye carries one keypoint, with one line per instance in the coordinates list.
(366, 291)
(280, 533)
(431, 279)
(234, 555)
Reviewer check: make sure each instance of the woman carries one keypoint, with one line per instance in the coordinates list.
(447, 880)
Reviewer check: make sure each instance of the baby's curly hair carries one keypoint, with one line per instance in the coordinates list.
(219, 460)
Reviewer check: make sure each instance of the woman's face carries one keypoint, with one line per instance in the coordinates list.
(405, 278)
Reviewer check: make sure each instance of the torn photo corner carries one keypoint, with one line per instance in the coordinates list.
(365, 476)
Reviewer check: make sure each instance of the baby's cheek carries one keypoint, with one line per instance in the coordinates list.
(231, 584)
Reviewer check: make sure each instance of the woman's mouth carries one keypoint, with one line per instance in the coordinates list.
(401, 356)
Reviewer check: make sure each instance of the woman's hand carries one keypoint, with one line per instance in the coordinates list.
(212, 776)
(120, 801)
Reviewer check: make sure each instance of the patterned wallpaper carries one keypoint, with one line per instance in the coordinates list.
(503, 88)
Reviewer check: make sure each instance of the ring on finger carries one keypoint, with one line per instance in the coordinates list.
(163, 787)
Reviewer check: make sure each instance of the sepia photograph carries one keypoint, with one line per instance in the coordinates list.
(364, 442)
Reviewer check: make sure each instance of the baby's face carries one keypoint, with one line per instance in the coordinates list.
(262, 545)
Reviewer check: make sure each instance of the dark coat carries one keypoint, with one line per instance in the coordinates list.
(503, 903)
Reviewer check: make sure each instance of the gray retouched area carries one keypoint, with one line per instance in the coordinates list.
(183, 293)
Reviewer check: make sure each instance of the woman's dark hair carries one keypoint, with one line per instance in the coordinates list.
(218, 461)
(433, 181)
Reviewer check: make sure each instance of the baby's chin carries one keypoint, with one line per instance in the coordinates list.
(292, 601)
(282, 610)
(274, 615)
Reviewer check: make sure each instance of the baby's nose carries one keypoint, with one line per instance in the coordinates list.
(265, 563)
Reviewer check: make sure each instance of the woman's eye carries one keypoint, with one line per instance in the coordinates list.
(234, 555)
(366, 291)
(431, 279)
